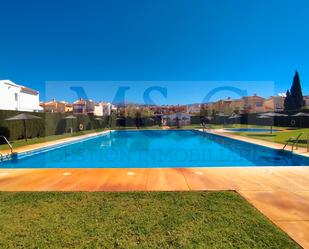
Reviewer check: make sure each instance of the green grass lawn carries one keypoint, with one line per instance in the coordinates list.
(278, 137)
(134, 219)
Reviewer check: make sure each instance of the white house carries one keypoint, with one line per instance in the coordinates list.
(17, 97)
(107, 108)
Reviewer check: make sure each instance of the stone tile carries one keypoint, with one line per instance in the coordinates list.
(169, 179)
(279, 206)
(298, 230)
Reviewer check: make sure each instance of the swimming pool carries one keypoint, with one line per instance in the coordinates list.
(149, 149)
(250, 130)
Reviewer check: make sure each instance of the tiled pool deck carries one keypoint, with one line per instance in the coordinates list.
(280, 193)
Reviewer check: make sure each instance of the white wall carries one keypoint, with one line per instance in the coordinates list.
(28, 102)
(107, 108)
(7, 96)
(25, 101)
(98, 110)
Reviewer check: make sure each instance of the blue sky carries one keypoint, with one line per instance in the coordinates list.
(155, 40)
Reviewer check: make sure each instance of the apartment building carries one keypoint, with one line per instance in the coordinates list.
(83, 106)
(253, 104)
(68, 106)
(248, 104)
(274, 103)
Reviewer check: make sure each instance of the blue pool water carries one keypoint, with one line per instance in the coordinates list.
(250, 130)
(186, 148)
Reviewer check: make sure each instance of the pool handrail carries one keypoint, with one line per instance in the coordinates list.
(296, 141)
(7, 142)
(289, 140)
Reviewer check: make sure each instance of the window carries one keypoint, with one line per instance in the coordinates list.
(259, 104)
(16, 96)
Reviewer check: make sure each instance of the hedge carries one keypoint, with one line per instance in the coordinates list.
(252, 119)
(142, 122)
(49, 124)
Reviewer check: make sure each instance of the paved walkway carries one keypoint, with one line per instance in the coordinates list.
(280, 193)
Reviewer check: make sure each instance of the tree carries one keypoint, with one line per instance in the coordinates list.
(237, 110)
(204, 112)
(289, 102)
(296, 92)
(112, 119)
(138, 119)
(294, 98)
(214, 112)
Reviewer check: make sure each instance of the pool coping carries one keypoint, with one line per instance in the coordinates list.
(27, 149)
(277, 146)
(37, 148)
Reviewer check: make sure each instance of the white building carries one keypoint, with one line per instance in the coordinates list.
(107, 108)
(98, 110)
(17, 97)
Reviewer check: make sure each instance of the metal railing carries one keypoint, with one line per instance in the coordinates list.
(8, 143)
(296, 142)
(287, 143)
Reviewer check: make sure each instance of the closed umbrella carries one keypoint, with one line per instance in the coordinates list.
(23, 117)
(99, 120)
(71, 117)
